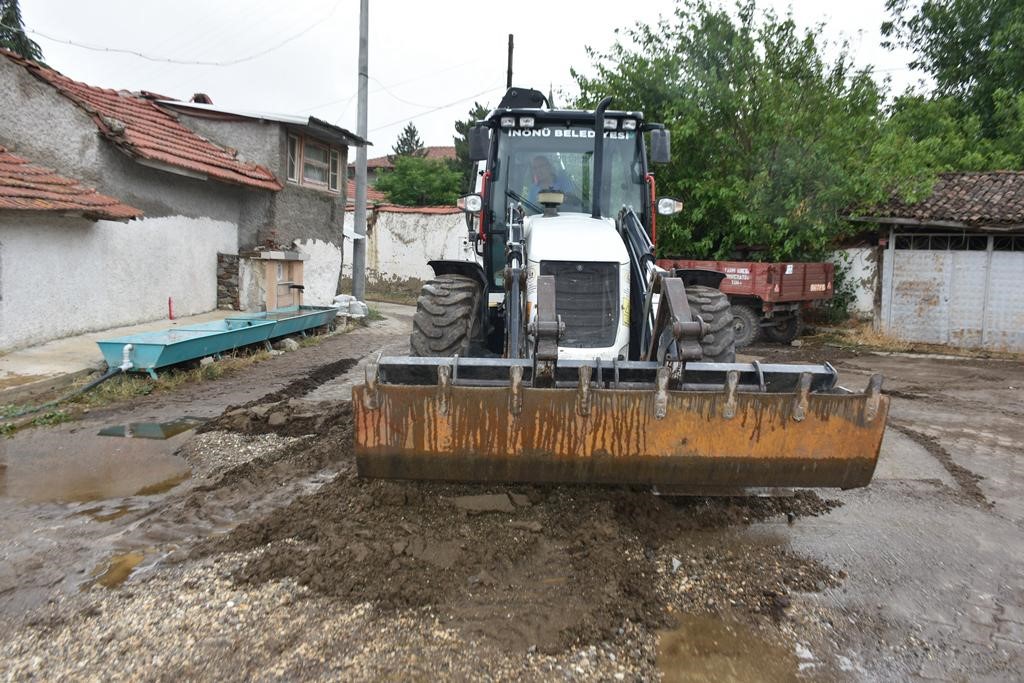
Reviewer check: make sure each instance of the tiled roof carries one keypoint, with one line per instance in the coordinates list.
(372, 196)
(397, 208)
(973, 199)
(432, 153)
(25, 187)
(141, 128)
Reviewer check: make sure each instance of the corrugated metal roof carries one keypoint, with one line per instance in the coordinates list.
(26, 187)
(319, 126)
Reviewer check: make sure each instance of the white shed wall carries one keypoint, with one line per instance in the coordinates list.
(65, 276)
(320, 272)
(863, 275)
(400, 244)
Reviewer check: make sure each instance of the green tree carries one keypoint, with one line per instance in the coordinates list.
(408, 143)
(943, 135)
(974, 49)
(773, 142)
(415, 181)
(462, 163)
(12, 32)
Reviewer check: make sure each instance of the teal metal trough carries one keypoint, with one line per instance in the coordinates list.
(149, 351)
(292, 319)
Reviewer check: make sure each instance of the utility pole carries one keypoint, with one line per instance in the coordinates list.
(359, 244)
(508, 79)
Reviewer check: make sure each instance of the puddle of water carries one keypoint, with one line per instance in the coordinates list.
(102, 513)
(91, 475)
(705, 648)
(153, 430)
(163, 486)
(120, 567)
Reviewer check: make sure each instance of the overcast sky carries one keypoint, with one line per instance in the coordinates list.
(428, 60)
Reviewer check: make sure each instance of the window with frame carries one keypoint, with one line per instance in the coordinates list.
(313, 164)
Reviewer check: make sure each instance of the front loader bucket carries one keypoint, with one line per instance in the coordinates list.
(743, 431)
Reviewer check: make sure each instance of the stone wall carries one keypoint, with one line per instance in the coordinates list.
(227, 282)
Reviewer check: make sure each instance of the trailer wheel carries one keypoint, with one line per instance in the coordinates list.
(719, 345)
(785, 330)
(746, 325)
(447, 319)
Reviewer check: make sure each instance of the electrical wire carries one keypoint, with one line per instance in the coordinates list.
(431, 111)
(348, 100)
(184, 62)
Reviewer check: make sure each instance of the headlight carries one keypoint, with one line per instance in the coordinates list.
(668, 206)
(471, 203)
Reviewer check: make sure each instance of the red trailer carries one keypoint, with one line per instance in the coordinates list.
(766, 297)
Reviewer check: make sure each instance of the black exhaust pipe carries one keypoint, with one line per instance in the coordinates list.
(595, 211)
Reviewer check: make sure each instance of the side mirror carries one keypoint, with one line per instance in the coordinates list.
(479, 143)
(668, 206)
(661, 146)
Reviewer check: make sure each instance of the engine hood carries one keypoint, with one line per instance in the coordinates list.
(573, 237)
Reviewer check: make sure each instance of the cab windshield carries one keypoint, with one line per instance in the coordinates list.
(561, 158)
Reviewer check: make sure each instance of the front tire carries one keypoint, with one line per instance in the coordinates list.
(719, 345)
(447, 320)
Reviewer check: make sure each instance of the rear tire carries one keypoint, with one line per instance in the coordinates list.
(746, 325)
(719, 345)
(785, 330)
(447, 320)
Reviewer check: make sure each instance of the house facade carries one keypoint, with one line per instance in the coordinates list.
(216, 224)
(65, 273)
(300, 238)
(950, 266)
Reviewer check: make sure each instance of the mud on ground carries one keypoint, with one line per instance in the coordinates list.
(541, 568)
(506, 581)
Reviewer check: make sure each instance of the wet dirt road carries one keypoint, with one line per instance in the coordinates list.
(271, 559)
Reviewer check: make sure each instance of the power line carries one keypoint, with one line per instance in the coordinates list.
(443, 106)
(349, 99)
(169, 60)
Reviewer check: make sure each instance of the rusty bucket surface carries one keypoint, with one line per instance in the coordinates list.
(712, 441)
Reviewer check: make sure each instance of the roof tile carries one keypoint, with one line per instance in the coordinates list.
(994, 198)
(25, 187)
(141, 128)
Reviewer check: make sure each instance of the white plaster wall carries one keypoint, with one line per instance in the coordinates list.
(863, 273)
(400, 244)
(320, 271)
(252, 287)
(65, 276)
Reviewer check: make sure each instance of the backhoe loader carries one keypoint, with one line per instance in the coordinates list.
(565, 354)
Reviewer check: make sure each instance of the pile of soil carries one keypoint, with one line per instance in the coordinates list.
(524, 566)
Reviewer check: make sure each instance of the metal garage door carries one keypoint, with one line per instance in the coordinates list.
(958, 289)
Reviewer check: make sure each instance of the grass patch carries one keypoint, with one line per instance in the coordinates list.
(126, 387)
(864, 336)
(373, 315)
(51, 417)
(311, 340)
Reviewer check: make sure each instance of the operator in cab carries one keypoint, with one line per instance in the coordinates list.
(546, 178)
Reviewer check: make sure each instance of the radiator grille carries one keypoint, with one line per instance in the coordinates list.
(587, 298)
